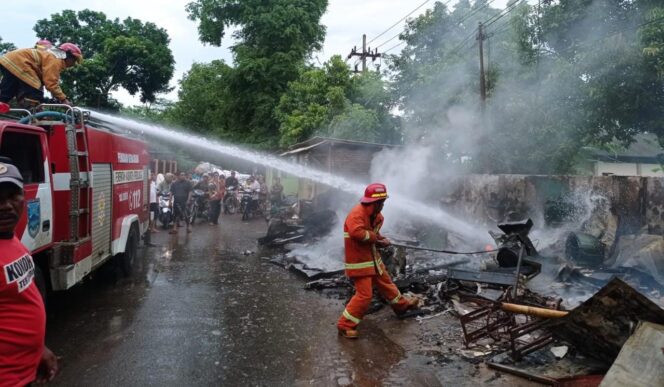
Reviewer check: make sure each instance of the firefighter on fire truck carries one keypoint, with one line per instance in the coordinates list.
(26, 70)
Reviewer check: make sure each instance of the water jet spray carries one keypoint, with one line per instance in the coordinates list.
(405, 205)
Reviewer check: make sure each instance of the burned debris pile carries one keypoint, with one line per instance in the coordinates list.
(503, 321)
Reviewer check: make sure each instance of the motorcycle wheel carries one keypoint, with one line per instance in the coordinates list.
(192, 214)
(165, 221)
(230, 205)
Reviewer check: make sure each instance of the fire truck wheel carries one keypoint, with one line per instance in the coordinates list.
(127, 258)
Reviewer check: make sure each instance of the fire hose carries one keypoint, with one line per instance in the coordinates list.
(533, 310)
(442, 251)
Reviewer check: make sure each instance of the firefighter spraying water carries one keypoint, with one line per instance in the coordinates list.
(364, 265)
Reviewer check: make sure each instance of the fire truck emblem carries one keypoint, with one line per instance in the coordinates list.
(101, 207)
(34, 217)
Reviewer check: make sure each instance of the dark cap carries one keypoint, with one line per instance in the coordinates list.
(9, 173)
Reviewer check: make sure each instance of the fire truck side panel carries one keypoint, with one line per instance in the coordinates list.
(129, 159)
(101, 212)
(26, 146)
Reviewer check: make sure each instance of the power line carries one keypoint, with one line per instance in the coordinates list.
(501, 14)
(390, 39)
(585, 43)
(474, 11)
(399, 34)
(397, 23)
(393, 47)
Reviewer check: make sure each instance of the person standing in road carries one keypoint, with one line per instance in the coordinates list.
(276, 192)
(181, 191)
(363, 263)
(154, 205)
(23, 356)
(216, 195)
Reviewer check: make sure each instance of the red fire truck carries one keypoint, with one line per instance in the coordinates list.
(86, 193)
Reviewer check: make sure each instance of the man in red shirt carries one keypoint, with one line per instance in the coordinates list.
(23, 356)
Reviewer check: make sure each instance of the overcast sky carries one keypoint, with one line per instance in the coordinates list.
(346, 21)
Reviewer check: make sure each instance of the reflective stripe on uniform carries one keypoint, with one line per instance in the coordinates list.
(367, 236)
(346, 235)
(395, 299)
(364, 265)
(351, 317)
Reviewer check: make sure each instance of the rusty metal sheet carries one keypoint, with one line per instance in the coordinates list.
(602, 324)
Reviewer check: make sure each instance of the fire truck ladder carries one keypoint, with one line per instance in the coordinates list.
(77, 147)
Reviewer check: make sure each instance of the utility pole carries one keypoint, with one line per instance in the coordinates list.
(480, 38)
(366, 53)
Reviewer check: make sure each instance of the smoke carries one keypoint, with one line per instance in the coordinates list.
(325, 254)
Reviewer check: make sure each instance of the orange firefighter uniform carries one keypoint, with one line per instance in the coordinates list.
(34, 67)
(363, 264)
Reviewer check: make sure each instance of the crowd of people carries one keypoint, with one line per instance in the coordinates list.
(211, 189)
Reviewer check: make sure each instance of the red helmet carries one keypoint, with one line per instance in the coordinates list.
(73, 50)
(43, 44)
(374, 192)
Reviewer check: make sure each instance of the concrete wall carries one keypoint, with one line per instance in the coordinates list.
(637, 202)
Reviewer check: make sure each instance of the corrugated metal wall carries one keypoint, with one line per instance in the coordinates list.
(102, 202)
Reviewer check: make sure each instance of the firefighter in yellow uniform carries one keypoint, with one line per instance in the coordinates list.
(25, 71)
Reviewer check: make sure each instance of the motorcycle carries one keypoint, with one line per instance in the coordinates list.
(199, 206)
(251, 205)
(230, 201)
(165, 209)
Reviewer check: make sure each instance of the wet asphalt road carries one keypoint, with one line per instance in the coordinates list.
(196, 311)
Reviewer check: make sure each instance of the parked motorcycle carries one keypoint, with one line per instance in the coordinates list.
(231, 204)
(250, 205)
(165, 209)
(199, 206)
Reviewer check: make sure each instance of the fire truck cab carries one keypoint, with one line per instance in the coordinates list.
(86, 193)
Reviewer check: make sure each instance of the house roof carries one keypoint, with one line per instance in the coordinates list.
(318, 141)
(644, 149)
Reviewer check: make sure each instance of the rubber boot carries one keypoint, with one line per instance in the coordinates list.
(349, 333)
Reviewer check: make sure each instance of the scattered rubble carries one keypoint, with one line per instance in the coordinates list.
(559, 335)
(601, 325)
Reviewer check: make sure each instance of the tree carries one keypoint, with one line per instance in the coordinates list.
(330, 101)
(128, 54)
(204, 100)
(569, 74)
(6, 46)
(273, 40)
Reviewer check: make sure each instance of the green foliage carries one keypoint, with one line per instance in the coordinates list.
(569, 74)
(6, 46)
(204, 100)
(128, 54)
(330, 101)
(273, 40)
